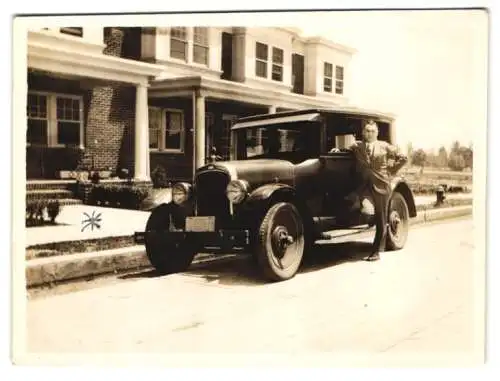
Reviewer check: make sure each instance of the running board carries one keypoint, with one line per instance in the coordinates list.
(352, 231)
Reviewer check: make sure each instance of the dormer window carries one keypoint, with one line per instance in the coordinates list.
(339, 80)
(328, 77)
(277, 68)
(200, 45)
(178, 43)
(261, 57)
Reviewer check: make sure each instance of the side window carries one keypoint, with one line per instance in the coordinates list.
(342, 134)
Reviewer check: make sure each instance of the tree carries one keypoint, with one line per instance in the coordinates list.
(456, 162)
(455, 148)
(462, 157)
(442, 158)
(419, 158)
(409, 152)
(467, 154)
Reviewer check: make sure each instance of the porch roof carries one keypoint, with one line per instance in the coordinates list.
(235, 91)
(74, 56)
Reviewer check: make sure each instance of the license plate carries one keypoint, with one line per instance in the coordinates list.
(200, 224)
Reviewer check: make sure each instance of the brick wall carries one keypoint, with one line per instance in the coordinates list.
(109, 120)
(111, 116)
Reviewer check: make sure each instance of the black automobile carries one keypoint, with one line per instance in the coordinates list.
(286, 184)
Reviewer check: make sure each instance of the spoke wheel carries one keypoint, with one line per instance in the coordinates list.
(397, 222)
(280, 247)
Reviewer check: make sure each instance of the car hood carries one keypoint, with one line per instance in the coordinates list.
(257, 171)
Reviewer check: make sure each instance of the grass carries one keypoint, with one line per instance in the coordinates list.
(446, 204)
(436, 176)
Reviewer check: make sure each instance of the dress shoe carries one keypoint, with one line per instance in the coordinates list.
(372, 257)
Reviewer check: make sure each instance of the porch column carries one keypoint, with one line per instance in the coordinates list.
(199, 128)
(141, 158)
(392, 132)
(272, 109)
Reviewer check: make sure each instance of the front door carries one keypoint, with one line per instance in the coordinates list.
(218, 134)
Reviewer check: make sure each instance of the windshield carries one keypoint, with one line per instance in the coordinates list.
(292, 142)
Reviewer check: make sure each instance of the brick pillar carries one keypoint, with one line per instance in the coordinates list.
(113, 38)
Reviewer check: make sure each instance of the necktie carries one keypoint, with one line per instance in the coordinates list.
(369, 150)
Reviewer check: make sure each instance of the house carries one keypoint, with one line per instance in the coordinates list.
(213, 75)
(141, 98)
(87, 103)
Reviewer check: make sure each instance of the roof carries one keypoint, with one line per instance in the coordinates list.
(309, 115)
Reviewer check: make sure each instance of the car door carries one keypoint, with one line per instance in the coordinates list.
(338, 180)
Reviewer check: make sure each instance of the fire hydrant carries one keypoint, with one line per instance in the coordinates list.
(440, 195)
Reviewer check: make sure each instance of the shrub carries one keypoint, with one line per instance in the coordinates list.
(123, 196)
(35, 210)
(98, 195)
(30, 213)
(426, 188)
(53, 209)
(95, 177)
(40, 206)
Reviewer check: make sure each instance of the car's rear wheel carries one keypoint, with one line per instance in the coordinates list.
(165, 255)
(280, 243)
(398, 222)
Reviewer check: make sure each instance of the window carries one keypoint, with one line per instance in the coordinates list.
(178, 43)
(166, 130)
(328, 77)
(155, 127)
(277, 68)
(38, 120)
(339, 80)
(261, 57)
(73, 31)
(200, 45)
(54, 119)
(68, 120)
(265, 141)
(174, 126)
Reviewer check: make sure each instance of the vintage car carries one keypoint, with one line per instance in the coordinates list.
(284, 186)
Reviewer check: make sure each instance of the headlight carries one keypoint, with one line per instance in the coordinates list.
(236, 191)
(181, 193)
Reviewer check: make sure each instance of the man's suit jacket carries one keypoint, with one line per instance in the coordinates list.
(374, 167)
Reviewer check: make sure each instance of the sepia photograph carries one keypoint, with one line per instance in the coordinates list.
(241, 185)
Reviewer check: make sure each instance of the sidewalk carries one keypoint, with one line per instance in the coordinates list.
(118, 222)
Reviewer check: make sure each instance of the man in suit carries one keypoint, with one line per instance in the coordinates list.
(374, 159)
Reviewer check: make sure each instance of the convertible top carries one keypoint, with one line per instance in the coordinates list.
(309, 115)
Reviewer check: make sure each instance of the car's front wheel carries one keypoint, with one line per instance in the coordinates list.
(280, 243)
(165, 255)
(398, 222)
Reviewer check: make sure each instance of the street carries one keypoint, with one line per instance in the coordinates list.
(420, 299)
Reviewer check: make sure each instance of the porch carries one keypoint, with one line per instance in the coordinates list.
(86, 108)
(190, 115)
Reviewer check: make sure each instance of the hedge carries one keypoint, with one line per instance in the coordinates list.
(118, 196)
(424, 188)
(36, 209)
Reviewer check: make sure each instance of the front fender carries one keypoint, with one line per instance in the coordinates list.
(265, 192)
(399, 184)
(261, 199)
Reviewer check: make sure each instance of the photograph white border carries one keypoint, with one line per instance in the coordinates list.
(18, 194)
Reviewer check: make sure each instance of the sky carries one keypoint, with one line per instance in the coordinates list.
(427, 67)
